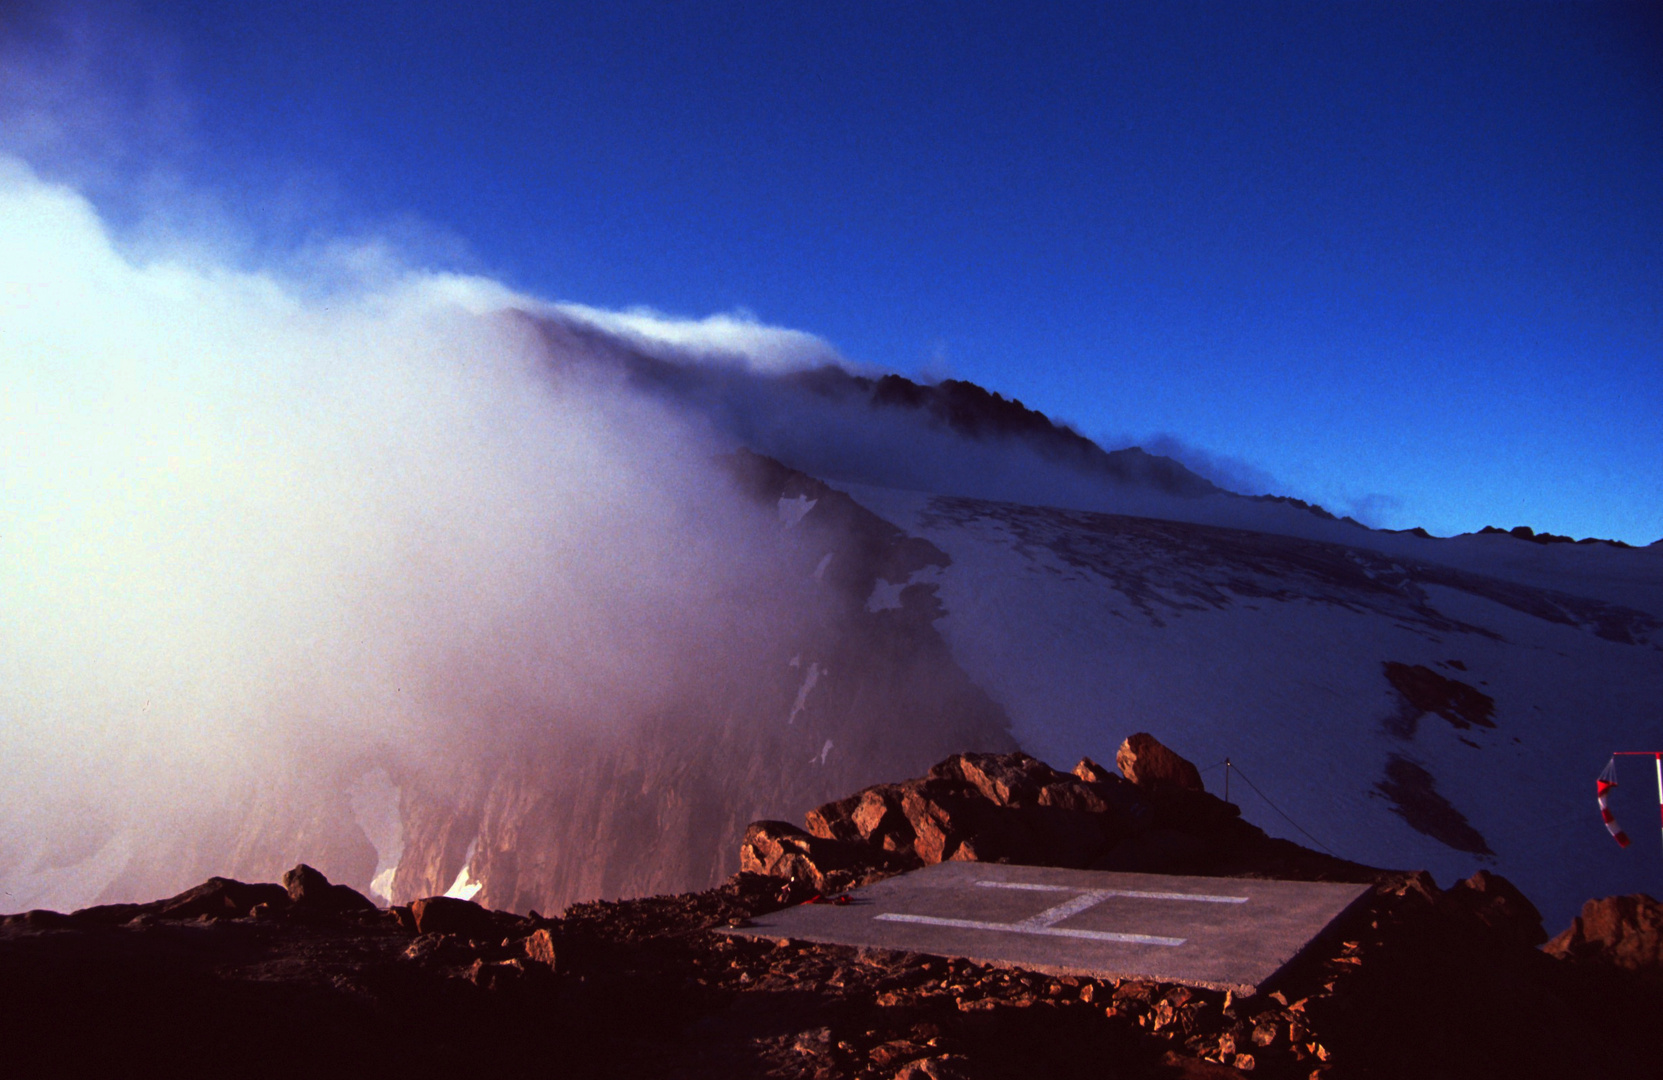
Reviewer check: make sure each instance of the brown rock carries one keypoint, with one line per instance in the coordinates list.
(302, 881)
(309, 890)
(872, 816)
(989, 846)
(979, 808)
(878, 816)
(1620, 931)
(933, 844)
(1074, 795)
(941, 1067)
(1419, 888)
(221, 898)
(1149, 764)
(1093, 773)
(835, 820)
(934, 836)
(780, 849)
(438, 949)
(539, 948)
(887, 1054)
(1003, 779)
(498, 975)
(39, 919)
(942, 815)
(1500, 905)
(813, 1043)
(450, 915)
(1182, 1066)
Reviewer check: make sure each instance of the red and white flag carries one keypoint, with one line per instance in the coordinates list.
(1608, 780)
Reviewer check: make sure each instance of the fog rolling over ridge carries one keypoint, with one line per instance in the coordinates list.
(305, 573)
(439, 586)
(271, 551)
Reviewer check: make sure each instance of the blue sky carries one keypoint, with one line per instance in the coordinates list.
(1403, 260)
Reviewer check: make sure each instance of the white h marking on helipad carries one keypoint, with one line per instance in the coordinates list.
(1044, 924)
(1206, 898)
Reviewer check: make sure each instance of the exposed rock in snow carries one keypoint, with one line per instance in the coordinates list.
(1313, 665)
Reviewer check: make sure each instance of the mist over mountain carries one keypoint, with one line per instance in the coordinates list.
(822, 417)
(437, 586)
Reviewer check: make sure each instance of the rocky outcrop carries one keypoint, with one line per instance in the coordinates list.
(308, 890)
(1017, 809)
(217, 898)
(781, 850)
(1624, 932)
(1425, 691)
(304, 893)
(985, 808)
(1414, 981)
(1525, 532)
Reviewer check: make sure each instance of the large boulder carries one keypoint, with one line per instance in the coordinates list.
(1619, 931)
(453, 915)
(1149, 764)
(311, 892)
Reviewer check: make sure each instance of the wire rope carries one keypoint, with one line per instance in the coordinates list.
(1279, 810)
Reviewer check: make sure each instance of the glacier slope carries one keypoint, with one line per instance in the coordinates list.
(1271, 650)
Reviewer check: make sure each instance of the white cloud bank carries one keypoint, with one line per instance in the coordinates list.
(251, 529)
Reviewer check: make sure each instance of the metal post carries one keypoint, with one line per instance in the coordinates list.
(1227, 779)
(1659, 786)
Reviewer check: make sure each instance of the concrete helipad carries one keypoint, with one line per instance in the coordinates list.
(1223, 933)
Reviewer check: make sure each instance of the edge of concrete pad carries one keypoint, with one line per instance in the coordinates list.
(1330, 932)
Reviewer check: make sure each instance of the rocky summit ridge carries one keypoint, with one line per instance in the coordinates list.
(308, 976)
